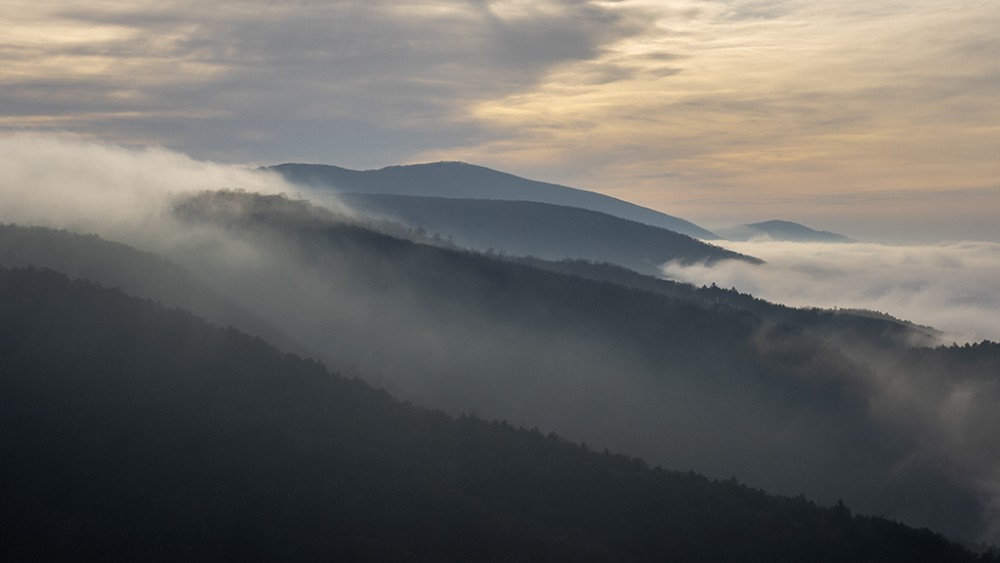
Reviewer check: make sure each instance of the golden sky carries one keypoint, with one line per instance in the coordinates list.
(879, 118)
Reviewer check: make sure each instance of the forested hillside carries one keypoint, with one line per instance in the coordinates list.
(801, 404)
(830, 404)
(870, 327)
(135, 272)
(134, 432)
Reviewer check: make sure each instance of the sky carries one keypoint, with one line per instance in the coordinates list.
(879, 119)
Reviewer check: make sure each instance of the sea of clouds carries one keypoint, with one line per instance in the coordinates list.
(951, 286)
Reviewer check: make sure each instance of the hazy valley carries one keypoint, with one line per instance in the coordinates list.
(836, 405)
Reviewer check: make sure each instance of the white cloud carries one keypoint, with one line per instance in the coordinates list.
(951, 286)
(71, 182)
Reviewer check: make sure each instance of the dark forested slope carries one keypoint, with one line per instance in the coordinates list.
(871, 327)
(135, 272)
(787, 405)
(133, 432)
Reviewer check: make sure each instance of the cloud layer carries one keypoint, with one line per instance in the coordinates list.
(723, 111)
(77, 183)
(251, 80)
(951, 287)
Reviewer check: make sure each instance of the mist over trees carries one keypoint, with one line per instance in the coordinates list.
(846, 405)
(703, 383)
(136, 432)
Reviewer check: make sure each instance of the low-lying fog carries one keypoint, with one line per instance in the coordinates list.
(583, 385)
(951, 286)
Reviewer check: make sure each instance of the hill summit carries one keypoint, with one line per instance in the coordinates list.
(469, 181)
(781, 231)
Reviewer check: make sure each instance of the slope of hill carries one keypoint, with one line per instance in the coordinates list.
(781, 230)
(873, 327)
(143, 274)
(467, 181)
(131, 432)
(699, 384)
(795, 401)
(554, 232)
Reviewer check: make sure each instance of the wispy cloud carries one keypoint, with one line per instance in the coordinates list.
(76, 182)
(951, 287)
(286, 79)
(763, 102)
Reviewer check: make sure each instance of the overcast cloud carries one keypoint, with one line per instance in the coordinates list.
(720, 111)
(244, 80)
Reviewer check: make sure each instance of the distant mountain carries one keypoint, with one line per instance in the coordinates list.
(556, 232)
(136, 433)
(467, 181)
(781, 231)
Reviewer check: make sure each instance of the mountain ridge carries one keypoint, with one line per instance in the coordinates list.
(780, 230)
(543, 230)
(464, 180)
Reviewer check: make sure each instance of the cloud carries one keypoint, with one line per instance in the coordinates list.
(67, 181)
(674, 105)
(249, 65)
(770, 102)
(949, 286)
(950, 413)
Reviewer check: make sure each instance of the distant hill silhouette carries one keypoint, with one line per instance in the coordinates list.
(135, 433)
(468, 181)
(556, 232)
(781, 231)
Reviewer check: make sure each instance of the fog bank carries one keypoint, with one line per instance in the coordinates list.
(80, 183)
(950, 286)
